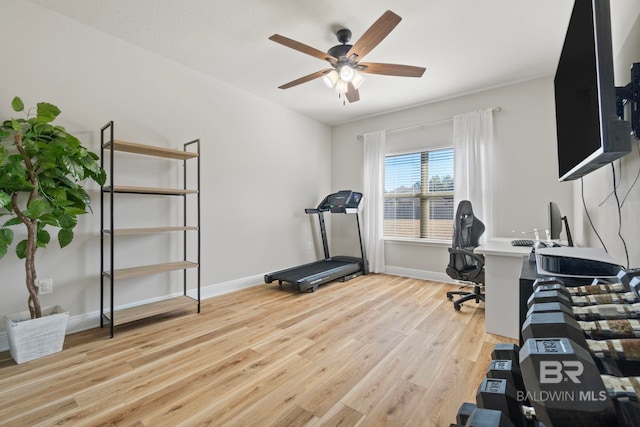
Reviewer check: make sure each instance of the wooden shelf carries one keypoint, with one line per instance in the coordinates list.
(127, 273)
(190, 152)
(148, 230)
(149, 190)
(148, 150)
(128, 315)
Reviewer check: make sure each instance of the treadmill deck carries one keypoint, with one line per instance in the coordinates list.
(316, 273)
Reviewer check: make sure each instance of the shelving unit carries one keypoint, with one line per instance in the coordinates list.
(109, 274)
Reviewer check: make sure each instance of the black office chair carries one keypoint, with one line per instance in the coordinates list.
(465, 265)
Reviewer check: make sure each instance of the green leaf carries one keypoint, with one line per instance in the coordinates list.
(16, 126)
(17, 104)
(5, 199)
(75, 211)
(101, 177)
(65, 236)
(67, 221)
(75, 169)
(6, 236)
(37, 208)
(49, 219)
(46, 112)
(12, 221)
(3, 249)
(43, 238)
(21, 249)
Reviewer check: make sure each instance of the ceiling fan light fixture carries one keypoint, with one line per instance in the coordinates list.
(357, 80)
(341, 87)
(331, 78)
(347, 73)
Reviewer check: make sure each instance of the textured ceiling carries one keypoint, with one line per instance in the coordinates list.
(465, 45)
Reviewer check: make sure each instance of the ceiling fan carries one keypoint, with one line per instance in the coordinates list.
(344, 75)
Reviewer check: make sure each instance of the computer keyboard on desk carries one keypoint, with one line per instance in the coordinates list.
(522, 242)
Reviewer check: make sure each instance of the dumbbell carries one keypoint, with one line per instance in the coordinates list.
(553, 283)
(499, 394)
(565, 387)
(505, 364)
(502, 352)
(502, 389)
(464, 412)
(592, 312)
(616, 356)
(597, 286)
(625, 291)
(594, 329)
(481, 417)
(554, 293)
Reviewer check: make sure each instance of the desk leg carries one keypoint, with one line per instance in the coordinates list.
(502, 295)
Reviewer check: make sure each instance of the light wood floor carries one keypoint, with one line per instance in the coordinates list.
(376, 351)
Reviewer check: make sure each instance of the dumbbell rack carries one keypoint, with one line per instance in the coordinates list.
(579, 365)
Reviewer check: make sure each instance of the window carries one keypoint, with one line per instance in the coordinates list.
(418, 194)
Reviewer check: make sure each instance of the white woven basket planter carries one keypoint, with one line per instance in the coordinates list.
(34, 338)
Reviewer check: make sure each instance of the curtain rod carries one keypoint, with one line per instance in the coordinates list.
(423, 125)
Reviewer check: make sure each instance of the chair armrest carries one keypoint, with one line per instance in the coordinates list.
(462, 251)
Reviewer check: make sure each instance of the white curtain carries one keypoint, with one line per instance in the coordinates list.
(473, 154)
(374, 151)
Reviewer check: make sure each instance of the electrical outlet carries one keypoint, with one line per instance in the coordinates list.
(45, 286)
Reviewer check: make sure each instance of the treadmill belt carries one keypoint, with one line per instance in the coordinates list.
(333, 269)
(319, 267)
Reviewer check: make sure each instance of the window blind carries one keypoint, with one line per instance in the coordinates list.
(419, 194)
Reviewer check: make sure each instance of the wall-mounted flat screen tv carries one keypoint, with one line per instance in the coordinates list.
(590, 135)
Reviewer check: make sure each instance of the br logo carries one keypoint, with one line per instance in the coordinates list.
(554, 372)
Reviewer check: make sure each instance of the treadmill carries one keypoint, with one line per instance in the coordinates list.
(309, 276)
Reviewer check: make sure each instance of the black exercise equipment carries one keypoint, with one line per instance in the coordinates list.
(508, 370)
(309, 276)
(482, 417)
(501, 395)
(566, 388)
(594, 329)
(550, 295)
(464, 412)
(505, 351)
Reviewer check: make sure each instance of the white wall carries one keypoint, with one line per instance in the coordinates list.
(261, 163)
(525, 166)
(598, 186)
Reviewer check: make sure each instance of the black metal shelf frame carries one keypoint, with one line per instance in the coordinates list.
(107, 142)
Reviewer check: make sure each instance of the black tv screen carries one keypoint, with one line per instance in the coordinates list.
(590, 134)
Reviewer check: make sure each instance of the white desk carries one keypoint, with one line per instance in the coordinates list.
(503, 263)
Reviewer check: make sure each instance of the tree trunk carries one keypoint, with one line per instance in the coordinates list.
(32, 233)
(30, 268)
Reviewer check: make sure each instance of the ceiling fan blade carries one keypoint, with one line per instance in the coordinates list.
(391, 69)
(375, 34)
(301, 47)
(352, 93)
(305, 79)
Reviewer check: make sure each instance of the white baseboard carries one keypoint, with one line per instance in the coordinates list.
(82, 322)
(435, 276)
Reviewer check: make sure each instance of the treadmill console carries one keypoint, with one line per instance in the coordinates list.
(345, 201)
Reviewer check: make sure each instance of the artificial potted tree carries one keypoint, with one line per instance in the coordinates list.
(41, 167)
